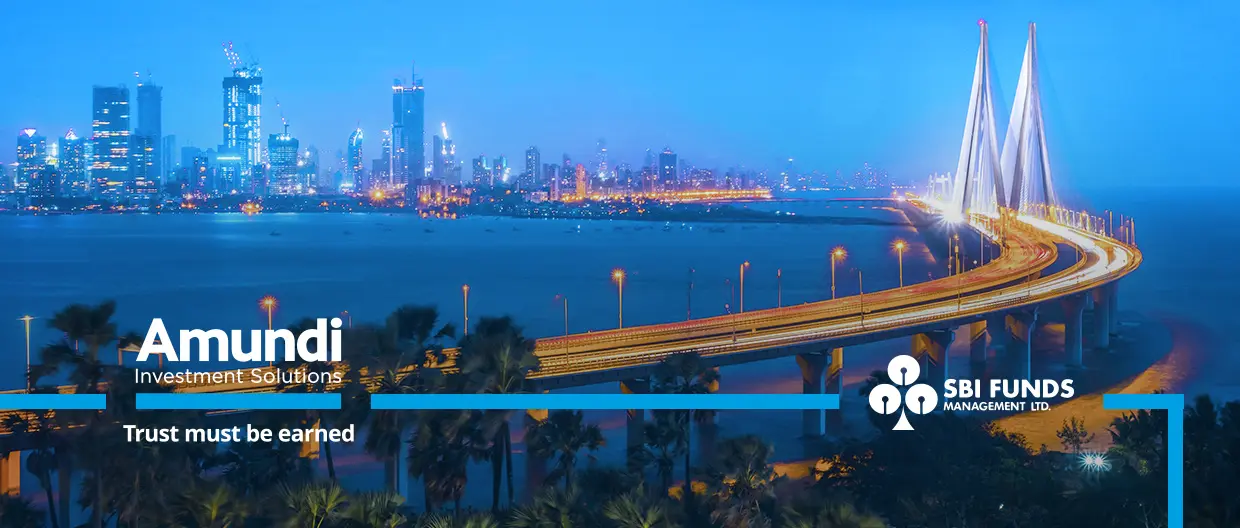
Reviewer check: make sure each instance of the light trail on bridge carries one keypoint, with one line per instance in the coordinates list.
(1030, 247)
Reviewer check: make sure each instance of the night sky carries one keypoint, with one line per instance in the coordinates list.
(1134, 92)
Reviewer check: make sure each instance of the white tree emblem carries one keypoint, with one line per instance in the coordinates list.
(920, 398)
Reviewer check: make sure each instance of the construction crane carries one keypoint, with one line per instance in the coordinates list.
(234, 60)
(283, 121)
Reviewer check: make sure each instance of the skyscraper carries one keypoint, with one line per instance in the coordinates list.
(141, 169)
(308, 171)
(382, 171)
(31, 158)
(110, 139)
(482, 172)
(499, 170)
(150, 125)
(242, 146)
(168, 155)
(581, 182)
(354, 166)
(282, 158)
(550, 173)
(408, 135)
(73, 165)
(601, 155)
(533, 161)
(667, 169)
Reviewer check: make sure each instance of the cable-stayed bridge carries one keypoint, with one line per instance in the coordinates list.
(1003, 195)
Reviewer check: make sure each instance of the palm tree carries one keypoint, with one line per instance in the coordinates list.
(16, 512)
(634, 510)
(440, 450)
(686, 373)
(439, 520)
(93, 327)
(564, 433)
(214, 507)
(495, 359)
(89, 325)
(394, 353)
(839, 515)
(319, 371)
(35, 432)
(313, 505)
(374, 510)
(744, 481)
(553, 508)
(665, 440)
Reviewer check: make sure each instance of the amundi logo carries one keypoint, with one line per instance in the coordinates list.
(919, 398)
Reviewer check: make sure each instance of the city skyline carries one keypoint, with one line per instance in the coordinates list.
(835, 109)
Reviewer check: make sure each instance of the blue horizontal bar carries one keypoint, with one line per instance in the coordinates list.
(239, 401)
(1142, 401)
(39, 402)
(597, 402)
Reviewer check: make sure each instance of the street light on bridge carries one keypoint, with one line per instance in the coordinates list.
(742, 300)
(836, 254)
(689, 297)
(465, 294)
(900, 246)
(617, 276)
(26, 320)
(268, 303)
(779, 288)
(564, 299)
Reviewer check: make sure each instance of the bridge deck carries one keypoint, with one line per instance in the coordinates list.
(1000, 285)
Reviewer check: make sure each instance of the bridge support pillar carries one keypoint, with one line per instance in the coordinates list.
(813, 366)
(930, 349)
(1102, 317)
(535, 466)
(11, 473)
(1113, 307)
(1073, 329)
(1023, 325)
(635, 419)
(64, 486)
(978, 331)
(310, 447)
(997, 329)
(835, 385)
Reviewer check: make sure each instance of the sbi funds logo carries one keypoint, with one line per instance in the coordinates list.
(905, 395)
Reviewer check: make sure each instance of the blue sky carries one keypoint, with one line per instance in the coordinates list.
(1134, 92)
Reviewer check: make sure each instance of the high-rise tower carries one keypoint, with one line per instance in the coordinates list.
(73, 164)
(109, 139)
(354, 164)
(242, 146)
(282, 158)
(667, 169)
(150, 125)
(533, 162)
(31, 158)
(408, 133)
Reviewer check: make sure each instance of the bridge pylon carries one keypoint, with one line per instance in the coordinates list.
(978, 184)
(1026, 166)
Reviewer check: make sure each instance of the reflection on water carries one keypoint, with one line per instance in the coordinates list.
(1168, 373)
